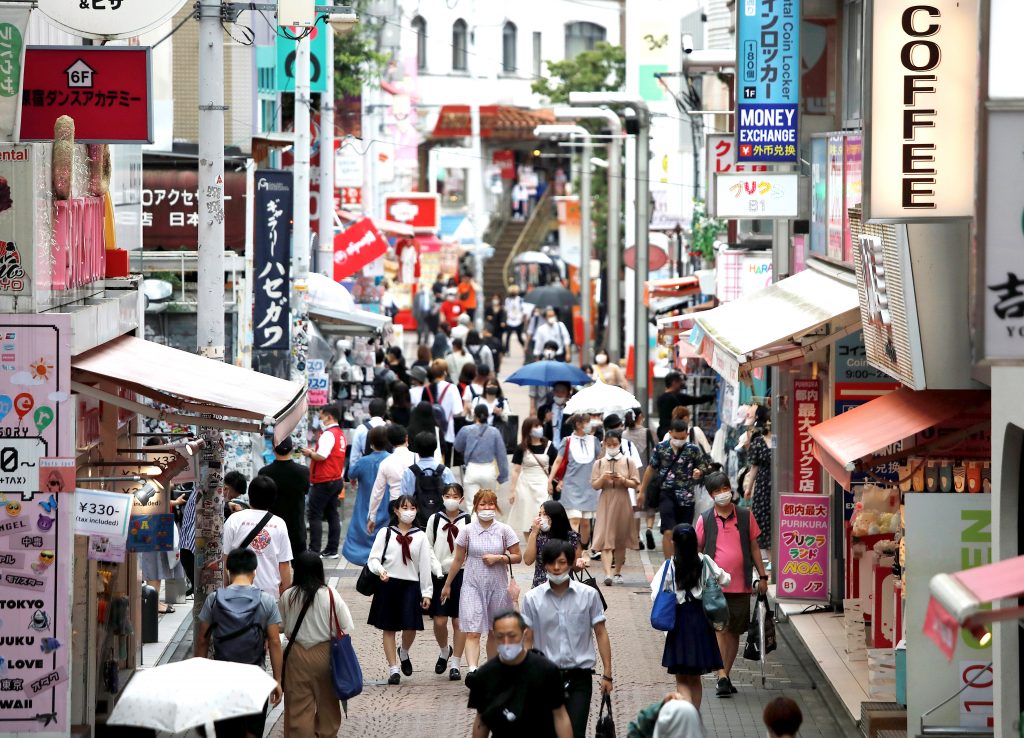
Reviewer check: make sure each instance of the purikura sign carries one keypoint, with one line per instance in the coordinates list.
(357, 246)
(803, 554)
(807, 407)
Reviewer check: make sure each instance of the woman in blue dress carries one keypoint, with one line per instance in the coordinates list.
(357, 541)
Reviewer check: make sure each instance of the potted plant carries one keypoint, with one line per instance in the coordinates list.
(703, 233)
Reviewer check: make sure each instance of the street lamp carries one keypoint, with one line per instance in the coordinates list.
(556, 130)
(614, 274)
(643, 154)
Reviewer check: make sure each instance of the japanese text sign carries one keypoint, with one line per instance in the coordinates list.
(803, 554)
(720, 155)
(13, 24)
(170, 208)
(806, 413)
(272, 259)
(767, 80)
(285, 76)
(357, 246)
(104, 89)
(421, 210)
(108, 18)
(102, 513)
(757, 195)
(923, 90)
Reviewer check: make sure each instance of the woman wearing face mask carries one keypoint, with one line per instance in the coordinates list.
(578, 494)
(488, 548)
(608, 372)
(401, 556)
(614, 474)
(494, 400)
(550, 524)
(530, 466)
(483, 452)
(691, 648)
(443, 529)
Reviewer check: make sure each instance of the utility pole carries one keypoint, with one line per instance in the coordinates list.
(326, 241)
(300, 172)
(614, 239)
(475, 188)
(210, 274)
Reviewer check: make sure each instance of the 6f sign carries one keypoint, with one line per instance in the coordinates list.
(929, 99)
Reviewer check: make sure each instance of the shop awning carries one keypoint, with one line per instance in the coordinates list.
(185, 387)
(356, 322)
(776, 324)
(674, 287)
(842, 441)
(390, 227)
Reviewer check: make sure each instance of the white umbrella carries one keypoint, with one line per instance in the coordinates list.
(601, 398)
(181, 695)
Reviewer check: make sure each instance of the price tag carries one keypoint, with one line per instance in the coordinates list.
(102, 513)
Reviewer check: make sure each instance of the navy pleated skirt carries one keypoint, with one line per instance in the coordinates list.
(396, 606)
(691, 647)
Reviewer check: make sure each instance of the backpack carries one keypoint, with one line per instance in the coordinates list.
(237, 632)
(440, 416)
(429, 490)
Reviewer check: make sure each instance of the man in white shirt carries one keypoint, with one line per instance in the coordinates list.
(269, 541)
(378, 406)
(515, 314)
(390, 472)
(552, 329)
(441, 392)
(475, 389)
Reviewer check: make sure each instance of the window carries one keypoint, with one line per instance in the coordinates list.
(853, 31)
(419, 27)
(460, 46)
(536, 54)
(582, 36)
(508, 47)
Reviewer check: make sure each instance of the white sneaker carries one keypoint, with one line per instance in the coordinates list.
(618, 579)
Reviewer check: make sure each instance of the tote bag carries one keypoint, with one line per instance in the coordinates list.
(345, 670)
(713, 598)
(663, 613)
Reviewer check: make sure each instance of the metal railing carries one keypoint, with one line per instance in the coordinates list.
(537, 226)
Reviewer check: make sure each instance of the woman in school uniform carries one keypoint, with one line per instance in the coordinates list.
(402, 558)
(443, 529)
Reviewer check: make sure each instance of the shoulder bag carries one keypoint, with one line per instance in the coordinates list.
(257, 529)
(291, 639)
(345, 670)
(585, 577)
(716, 609)
(368, 583)
(663, 612)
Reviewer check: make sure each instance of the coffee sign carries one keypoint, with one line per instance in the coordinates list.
(108, 18)
(924, 82)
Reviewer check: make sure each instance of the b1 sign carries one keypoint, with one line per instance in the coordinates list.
(108, 18)
(924, 85)
(767, 80)
(757, 195)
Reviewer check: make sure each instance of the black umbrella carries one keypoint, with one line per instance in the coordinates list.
(551, 296)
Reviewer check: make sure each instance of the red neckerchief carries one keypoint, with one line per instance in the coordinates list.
(453, 531)
(406, 542)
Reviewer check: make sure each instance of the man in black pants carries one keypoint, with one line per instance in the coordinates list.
(292, 480)
(326, 472)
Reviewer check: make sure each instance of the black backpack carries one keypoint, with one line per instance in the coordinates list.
(237, 631)
(429, 491)
(440, 417)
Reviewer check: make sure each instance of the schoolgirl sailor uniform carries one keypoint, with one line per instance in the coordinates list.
(442, 531)
(409, 562)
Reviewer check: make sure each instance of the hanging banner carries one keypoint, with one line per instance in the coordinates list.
(767, 80)
(357, 246)
(13, 22)
(421, 210)
(806, 413)
(272, 259)
(803, 553)
(923, 91)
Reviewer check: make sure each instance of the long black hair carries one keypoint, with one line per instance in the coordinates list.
(685, 557)
(559, 520)
(307, 577)
(421, 419)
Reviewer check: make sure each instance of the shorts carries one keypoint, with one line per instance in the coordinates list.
(584, 515)
(673, 514)
(739, 612)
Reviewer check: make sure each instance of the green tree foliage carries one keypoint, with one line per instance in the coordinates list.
(356, 58)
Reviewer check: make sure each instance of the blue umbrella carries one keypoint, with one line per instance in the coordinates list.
(541, 373)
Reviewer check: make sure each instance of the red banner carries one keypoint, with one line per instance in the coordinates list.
(355, 247)
(505, 160)
(421, 210)
(806, 414)
(941, 627)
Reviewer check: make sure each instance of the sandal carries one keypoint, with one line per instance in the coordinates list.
(165, 610)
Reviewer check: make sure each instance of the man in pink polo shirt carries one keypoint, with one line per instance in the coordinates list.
(728, 534)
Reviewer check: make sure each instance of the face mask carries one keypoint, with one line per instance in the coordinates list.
(558, 578)
(537, 432)
(678, 443)
(723, 498)
(545, 524)
(485, 514)
(509, 651)
(614, 453)
(492, 393)
(451, 505)
(552, 321)
(407, 516)
(601, 358)
(549, 354)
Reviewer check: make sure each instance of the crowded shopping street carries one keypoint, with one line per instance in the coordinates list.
(558, 369)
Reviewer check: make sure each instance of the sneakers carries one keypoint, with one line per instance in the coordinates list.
(725, 688)
(406, 665)
(442, 662)
(454, 675)
(595, 555)
(650, 540)
(607, 581)
(326, 555)
(395, 678)
(618, 579)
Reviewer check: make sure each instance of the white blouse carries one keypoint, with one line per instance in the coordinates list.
(439, 543)
(697, 592)
(316, 626)
(419, 567)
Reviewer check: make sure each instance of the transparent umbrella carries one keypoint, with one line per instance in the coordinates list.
(601, 398)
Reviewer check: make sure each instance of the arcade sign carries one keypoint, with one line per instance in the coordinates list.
(108, 18)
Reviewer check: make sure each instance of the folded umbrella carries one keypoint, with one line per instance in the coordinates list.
(601, 398)
(184, 694)
(541, 373)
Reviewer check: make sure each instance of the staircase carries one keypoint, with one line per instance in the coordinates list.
(494, 270)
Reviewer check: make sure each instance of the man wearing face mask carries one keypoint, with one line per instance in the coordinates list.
(728, 535)
(552, 329)
(553, 416)
(564, 618)
(520, 693)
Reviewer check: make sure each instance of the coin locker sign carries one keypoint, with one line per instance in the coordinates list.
(767, 80)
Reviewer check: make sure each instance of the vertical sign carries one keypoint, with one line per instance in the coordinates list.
(271, 259)
(36, 533)
(13, 22)
(835, 211)
(819, 196)
(284, 77)
(803, 554)
(720, 155)
(923, 91)
(807, 413)
(854, 166)
(768, 80)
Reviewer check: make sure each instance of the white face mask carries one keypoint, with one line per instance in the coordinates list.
(593, 425)
(485, 514)
(723, 498)
(558, 578)
(509, 651)
(678, 443)
(614, 453)
(560, 400)
(407, 516)
(549, 354)
(601, 358)
(552, 321)
(537, 432)
(451, 505)
(545, 524)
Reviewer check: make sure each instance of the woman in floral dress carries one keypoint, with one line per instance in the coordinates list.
(758, 482)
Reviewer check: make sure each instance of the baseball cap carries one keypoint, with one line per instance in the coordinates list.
(285, 447)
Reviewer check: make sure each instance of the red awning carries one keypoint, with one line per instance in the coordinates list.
(854, 435)
(496, 122)
(390, 227)
(673, 287)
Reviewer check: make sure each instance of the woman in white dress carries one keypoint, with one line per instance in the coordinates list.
(531, 463)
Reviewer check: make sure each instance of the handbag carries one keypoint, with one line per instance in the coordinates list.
(368, 583)
(605, 727)
(663, 612)
(345, 670)
(755, 650)
(585, 577)
(716, 609)
(514, 590)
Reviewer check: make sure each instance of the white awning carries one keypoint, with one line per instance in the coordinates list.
(784, 321)
(354, 322)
